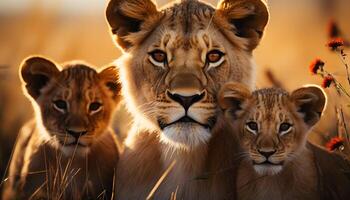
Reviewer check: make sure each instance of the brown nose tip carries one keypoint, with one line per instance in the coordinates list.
(186, 101)
(76, 134)
(267, 154)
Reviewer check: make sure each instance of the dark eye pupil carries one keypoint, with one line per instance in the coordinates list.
(60, 104)
(94, 106)
(284, 127)
(253, 126)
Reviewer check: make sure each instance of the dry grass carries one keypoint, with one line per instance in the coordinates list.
(295, 35)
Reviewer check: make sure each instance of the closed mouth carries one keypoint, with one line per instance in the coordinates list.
(184, 119)
(268, 163)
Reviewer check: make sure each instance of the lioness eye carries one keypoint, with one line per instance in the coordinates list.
(285, 128)
(252, 127)
(214, 56)
(60, 105)
(158, 56)
(95, 106)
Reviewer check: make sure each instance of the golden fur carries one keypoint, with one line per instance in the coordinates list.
(67, 151)
(175, 60)
(276, 162)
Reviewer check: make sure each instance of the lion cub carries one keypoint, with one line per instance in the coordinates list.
(68, 150)
(277, 162)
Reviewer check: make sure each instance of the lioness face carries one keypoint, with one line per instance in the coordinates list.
(271, 124)
(181, 75)
(75, 104)
(177, 60)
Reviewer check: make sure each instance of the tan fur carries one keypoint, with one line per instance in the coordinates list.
(293, 171)
(203, 173)
(296, 181)
(186, 32)
(49, 161)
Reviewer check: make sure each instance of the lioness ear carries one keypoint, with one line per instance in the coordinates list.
(110, 78)
(232, 96)
(125, 17)
(309, 101)
(36, 72)
(249, 18)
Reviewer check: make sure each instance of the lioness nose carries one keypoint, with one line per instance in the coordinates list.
(267, 154)
(76, 133)
(186, 101)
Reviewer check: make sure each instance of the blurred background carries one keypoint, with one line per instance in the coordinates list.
(66, 30)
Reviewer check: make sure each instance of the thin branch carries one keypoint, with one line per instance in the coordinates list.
(342, 58)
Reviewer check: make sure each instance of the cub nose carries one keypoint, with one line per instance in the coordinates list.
(76, 133)
(267, 154)
(186, 101)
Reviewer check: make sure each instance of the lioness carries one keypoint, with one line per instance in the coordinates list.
(277, 162)
(67, 151)
(175, 60)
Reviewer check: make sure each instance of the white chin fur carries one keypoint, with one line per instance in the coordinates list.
(268, 169)
(185, 135)
(69, 151)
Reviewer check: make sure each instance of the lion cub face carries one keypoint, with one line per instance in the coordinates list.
(271, 124)
(74, 104)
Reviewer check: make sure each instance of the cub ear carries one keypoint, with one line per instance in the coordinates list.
(249, 18)
(36, 72)
(125, 17)
(310, 102)
(232, 96)
(110, 78)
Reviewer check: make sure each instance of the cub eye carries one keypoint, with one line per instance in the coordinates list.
(95, 106)
(252, 127)
(285, 128)
(60, 105)
(158, 58)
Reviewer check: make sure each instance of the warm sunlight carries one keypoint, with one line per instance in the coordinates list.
(169, 99)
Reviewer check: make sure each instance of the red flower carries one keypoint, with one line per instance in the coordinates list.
(316, 65)
(327, 81)
(335, 43)
(335, 143)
